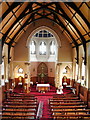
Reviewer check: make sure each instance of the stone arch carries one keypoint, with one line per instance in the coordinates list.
(47, 28)
(16, 75)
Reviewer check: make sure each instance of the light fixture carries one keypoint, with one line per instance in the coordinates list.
(6, 81)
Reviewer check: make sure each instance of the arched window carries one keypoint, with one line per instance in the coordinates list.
(33, 47)
(20, 70)
(42, 49)
(52, 48)
(43, 33)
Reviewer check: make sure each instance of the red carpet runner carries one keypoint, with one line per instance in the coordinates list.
(46, 113)
(44, 97)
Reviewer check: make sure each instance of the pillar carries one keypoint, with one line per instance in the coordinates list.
(27, 78)
(88, 66)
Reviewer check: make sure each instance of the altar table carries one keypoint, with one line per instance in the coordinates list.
(43, 87)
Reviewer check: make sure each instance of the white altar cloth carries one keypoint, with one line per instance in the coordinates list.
(44, 87)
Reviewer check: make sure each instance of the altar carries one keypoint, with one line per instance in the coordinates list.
(43, 87)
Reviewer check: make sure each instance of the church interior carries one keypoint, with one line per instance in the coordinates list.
(45, 60)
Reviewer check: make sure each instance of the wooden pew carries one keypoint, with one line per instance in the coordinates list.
(65, 95)
(65, 101)
(19, 115)
(19, 110)
(18, 103)
(70, 111)
(20, 100)
(71, 116)
(66, 98)
(68, 107)
(66, 104)
(20, 95)
(19, 107)
(13, 98)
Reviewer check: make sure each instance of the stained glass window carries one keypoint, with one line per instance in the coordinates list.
(42, 49)
(33, 47)
(52, 48)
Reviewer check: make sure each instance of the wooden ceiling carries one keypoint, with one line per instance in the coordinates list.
(73, 19)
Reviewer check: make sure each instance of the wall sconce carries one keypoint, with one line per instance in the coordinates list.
(10, 58)
(6, 81)
(83, 58)
(27, 63)
(76, 60)
(3, 56)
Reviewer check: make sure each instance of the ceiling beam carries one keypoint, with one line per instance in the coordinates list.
(79, 33)
(24, 25)
(19, 18)
(14, 5)
(73, 6)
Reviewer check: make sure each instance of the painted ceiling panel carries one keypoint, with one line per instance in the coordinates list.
(17, 8)
(66, 10)
(4, 7)
(7, 19)
(72, 33)
(78, 26)
(79, 41)
(67, 35)
(78, 4)
(10, 3)
(8, 40)
(82, 22)
(1, 10)
(18, 36)
(1, 36)
(9, 24)
(15, 31)
(21, 9)
(85, 11)
(87, 37)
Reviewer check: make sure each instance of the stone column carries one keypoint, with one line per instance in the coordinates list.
(58, 81)
(27, 78)
(88, 66)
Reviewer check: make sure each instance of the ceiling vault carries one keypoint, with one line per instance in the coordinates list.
(19, 15)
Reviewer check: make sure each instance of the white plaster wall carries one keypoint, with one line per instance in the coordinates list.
(21, 51)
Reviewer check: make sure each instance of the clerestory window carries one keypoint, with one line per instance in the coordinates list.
(52, 48)
(33, 47)
(42, 48)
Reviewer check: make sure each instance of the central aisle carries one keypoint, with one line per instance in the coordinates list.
(44, 97)
(46, 112)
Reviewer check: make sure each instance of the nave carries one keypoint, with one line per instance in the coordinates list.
(46, 105)
(45, 59)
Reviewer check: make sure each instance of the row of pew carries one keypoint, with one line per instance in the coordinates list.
(19, 107)
(68, 107)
